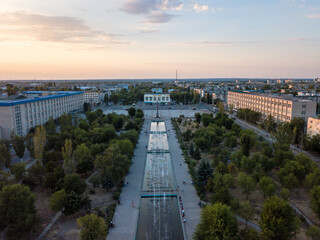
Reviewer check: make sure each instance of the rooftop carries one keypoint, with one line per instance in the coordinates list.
(41, 96)
(282, 97)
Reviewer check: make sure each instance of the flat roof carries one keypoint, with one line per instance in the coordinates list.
(58, 94)
(282, 97)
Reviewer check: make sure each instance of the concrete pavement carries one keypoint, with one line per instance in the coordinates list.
(126, 216)
(187, 191)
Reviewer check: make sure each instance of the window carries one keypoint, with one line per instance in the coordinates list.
(303, 112)
(304, 106)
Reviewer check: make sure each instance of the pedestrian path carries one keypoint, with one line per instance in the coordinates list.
(126, 214)
(187, 191)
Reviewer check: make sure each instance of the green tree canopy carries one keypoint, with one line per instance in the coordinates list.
(18, 144)
(217, 222)
(246, 183)
(92, 227)
(5, 157)
(73, 183)
(278, 219)
(131, 112)
(17, 209)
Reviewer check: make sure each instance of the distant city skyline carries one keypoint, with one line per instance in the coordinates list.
(137, 39)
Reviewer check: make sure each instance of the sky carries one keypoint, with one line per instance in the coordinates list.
(110, 39)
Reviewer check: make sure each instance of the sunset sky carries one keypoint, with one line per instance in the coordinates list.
(81, 39)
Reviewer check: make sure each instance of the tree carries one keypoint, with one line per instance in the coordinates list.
(131, 112)
(69, 164)
(51, 127)
(57, 200)
(191, 150)
(113, 162)
(5, 157)
(206, 119)
(30, 144)
(73, 183)
(315, 199)
(86, 107)
(37, 171)
(92, 227)
(73, 203)
(18, 170)
(83, 158)
(231, 108)
(203, 173)
(18, 145)
(267, 186)
(313, 178)
(245, 141)
(249, 234)
(39, 141)
(246, 211)
(232, 169)
(107, 182)
(17, 210)
(271, 124)
(198, 117)
(139, 114)
(278, 219)
(284, 133)
(220, 106)
(246, 183)
(197, 154)
(314, 232)
(126, 147)
(217, 222)
(118, 122)
(284, 193)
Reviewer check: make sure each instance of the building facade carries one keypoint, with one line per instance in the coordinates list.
(282, 108)
(92, 97)
(313, 126)
(20, 115)
(152, 98)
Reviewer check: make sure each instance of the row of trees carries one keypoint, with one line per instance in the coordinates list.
(248, 115)
(65, 153)
(278, 222)
(248, 168)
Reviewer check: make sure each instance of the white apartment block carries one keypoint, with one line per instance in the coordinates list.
(313, 126)
(161, 98)
(282, 108)
(92, 97)
(21, 114)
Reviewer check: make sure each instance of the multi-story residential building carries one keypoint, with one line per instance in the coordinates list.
(282, 108)
(313, 126)
(32, 108)
(161, 98)
(92, 97)
(309, 96)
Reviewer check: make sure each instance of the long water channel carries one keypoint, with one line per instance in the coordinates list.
(159, 216)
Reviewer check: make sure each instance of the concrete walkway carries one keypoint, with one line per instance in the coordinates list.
(187, 191)
(126, 216)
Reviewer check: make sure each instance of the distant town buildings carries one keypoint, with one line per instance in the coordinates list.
(116, 88)
(153, 98)
(92, 98)
(282, 108)
(156, 90)
(33, 108)
(313, 126)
